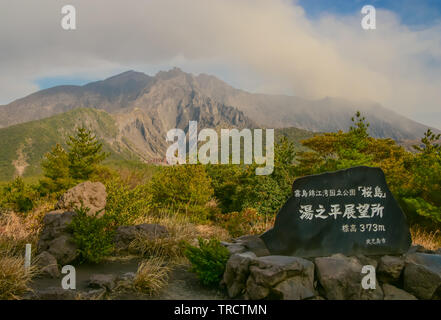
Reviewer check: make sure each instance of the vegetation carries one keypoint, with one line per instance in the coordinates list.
(204, 202)
(92, 234)
(208, 260)
(152, 276)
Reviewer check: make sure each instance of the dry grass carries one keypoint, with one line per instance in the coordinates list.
(14, 279)
(180, 229)
(152, 276)
(16, 230)
(263, 223)
(428, 239)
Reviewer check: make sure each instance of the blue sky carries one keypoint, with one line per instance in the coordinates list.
(415, 13)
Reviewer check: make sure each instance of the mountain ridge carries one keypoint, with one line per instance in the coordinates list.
(168, 90)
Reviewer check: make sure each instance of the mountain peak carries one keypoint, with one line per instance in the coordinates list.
(172, 73)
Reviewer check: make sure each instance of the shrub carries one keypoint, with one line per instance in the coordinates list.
(93, 235)
(208, 260)
(238, 223)
(18, 196)
(151, 276)
(125, 204)
(185, 188)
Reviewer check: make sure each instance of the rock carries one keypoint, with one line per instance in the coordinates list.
(390, 268)
(89, 194)
(394, 293)
(55, 224)
(255, 291)
(422, 275)
(63, 249)
(293, 289)
(341, 278)
(367, 260)
(47, 264)
(126, 234)
(236, 273)
(96, 294)
(102, 281)
(236, 248)
(419, 248)
(53, 293)
(334, 212)
(292, 277)
(256, 245)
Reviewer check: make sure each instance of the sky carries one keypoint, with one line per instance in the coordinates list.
(309, 48)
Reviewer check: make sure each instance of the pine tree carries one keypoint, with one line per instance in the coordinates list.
(84, 154)
(56, 171)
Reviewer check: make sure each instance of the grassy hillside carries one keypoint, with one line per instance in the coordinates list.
(24, 145)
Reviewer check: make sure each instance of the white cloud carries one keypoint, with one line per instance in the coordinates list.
(265, 45)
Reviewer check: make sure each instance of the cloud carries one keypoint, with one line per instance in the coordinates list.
(261, 45)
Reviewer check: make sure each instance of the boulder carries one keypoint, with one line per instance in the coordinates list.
(341, 278)
(393, 293)
(254, 244)
(282, 276)
(102, 281)
(89, 194)
(237, 272)
(47, 265)
(390, 268)
(293, 289)
(63, 249)
(126, 234)
(55, 224)
(422, 275)
(236, 248)
(55, 238)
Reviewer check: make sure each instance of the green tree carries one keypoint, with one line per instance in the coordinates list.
(55, 166)
(423, 196)
(185, 188)
(85, 153)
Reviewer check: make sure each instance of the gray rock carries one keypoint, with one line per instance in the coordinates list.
(102, 281)
(237, 272)
(47, 265)
(96, 294)
(90, 195)
(63, 249)
(341, 278)
(53, 293)
(55, 224)
(284, 277)
(293, 289)
(236, 248)
(422, 275)
(255, 291)
(393, 293)
(390, 268)
(256, 245)
(126, 234)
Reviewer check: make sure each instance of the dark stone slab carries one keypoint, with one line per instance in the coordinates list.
(349, 211)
